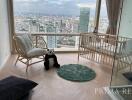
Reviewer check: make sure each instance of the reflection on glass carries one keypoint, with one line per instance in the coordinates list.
(121, 82)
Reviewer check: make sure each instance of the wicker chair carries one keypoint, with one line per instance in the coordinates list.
(26, 50)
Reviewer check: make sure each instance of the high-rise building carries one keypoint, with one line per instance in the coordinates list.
(52, 40)
(84, 19)
(33, 26)
(75, 26)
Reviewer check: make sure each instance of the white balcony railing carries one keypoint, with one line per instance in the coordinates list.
(57, 41)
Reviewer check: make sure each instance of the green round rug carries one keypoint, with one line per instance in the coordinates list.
(76, 72)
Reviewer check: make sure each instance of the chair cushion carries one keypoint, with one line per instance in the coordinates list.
(24, 43)
(14, 88)
(36, 52)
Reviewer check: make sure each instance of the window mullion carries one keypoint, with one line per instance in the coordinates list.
(97, 16)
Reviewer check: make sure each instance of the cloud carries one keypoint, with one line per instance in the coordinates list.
(54, 7)
(26, 0)
(58, 2)
(55, 2)
(90, 5)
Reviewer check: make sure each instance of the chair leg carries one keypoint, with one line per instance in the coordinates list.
(27, 65)
(30, 61)
(17, 60)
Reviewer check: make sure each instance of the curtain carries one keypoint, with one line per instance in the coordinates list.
(113, 9)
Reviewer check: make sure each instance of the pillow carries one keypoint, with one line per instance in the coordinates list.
(14, 88)
(24, 43)
(128, 75)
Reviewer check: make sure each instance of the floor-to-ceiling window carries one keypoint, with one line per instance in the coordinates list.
(69, 17)
(121, 83)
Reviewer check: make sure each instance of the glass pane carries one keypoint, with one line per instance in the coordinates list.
(103, 22)
(56, 17)
(62, 42)
(122, 74)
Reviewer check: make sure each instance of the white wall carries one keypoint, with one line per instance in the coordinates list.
(4, 33)
(126, 22)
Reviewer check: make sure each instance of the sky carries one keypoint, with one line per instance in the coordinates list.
(56, 7)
